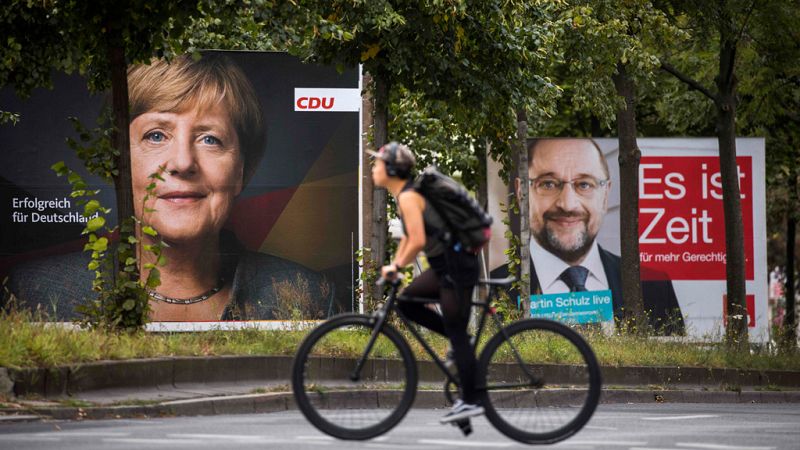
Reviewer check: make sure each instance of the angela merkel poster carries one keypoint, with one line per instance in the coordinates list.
(258, 202)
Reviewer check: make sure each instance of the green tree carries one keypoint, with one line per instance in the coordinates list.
(608, 50)
(722, 41)
(476, 57)
(770, 93)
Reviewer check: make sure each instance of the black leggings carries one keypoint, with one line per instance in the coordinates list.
(451, 323)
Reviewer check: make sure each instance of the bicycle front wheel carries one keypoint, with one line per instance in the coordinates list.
(346, 401)
(542, 381)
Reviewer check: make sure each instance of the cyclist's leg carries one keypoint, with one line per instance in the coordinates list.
(455, 295)
(426, 285)
(455, 311)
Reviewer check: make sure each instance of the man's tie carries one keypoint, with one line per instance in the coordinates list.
(575, 278)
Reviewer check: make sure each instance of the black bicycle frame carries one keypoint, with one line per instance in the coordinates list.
(381, 315)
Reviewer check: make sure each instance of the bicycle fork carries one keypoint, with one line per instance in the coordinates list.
(380, 317)
(535, 382)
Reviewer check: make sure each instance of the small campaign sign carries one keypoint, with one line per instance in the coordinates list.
(574, 307)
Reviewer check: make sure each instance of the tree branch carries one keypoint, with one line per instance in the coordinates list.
(691, 82)
(746, 19)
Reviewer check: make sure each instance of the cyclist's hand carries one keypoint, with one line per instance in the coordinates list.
(389, 272)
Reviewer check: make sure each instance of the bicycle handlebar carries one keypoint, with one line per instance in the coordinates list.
(395, 282)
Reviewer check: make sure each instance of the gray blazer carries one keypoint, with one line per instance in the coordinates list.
(57, 284)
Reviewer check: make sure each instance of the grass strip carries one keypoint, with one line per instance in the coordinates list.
(25, 342)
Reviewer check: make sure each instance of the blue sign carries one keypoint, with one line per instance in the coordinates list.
(574, 307)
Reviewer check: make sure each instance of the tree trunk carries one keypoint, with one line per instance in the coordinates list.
(790, 319)
(379, 195)
(482, 191)
(367, 124)
(629, 157)
(524, 214)
(120, 137)
(736, 330)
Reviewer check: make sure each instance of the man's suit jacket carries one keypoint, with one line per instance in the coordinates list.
(660, 301)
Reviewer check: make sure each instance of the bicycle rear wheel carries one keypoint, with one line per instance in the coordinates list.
(542, 383)
(342, 402)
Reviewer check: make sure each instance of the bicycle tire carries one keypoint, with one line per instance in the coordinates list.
(350, 410)
(565, 364)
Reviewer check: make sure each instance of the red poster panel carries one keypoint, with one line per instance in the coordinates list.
(681, 217)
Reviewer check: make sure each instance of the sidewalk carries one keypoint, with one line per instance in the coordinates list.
(259, 384)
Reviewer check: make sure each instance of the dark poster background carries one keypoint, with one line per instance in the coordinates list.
(301, 204)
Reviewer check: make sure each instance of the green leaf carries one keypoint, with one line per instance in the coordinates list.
(90, 207)
(95, 224)
(129, 304)
(60, 168)
(100, 245)
(154, 278)
(150, 231)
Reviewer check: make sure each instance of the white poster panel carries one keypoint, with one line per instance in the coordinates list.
(681, 226)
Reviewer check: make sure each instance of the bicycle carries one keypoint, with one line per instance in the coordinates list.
(538, 379)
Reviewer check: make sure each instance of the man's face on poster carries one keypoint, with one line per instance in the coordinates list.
(568, 196)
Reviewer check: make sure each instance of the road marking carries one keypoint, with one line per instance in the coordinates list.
(594, 427)
(606, 443)
(720, 446)
(650, 448)
(154, 441)
(225, 437)
(78, 433)
(464, 443)
(28, 437)
(386, 445)
(314, 438)
(246, 439)
(696, 416)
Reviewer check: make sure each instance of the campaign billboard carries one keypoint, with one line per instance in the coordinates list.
(258, 205)
(575, 222)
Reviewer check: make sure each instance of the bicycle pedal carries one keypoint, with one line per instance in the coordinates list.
(465, 426)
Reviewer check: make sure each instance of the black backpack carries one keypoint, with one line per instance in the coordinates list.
(468, 224)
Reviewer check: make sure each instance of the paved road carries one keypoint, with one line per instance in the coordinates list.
(634, 427)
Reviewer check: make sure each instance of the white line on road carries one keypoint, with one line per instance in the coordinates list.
(720, 446)
(314, 438)
(606, 443)
(594, 427)
(224, 437)
(464, 443)
(79, 433)
(28, 437)
(249, 439)
(650, 448)
(154, 441)
(696, 416)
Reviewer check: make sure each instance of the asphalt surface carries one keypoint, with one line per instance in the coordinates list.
(618, 426)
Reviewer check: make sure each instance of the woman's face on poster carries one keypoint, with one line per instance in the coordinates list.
(197, 153)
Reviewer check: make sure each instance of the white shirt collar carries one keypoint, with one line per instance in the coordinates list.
(549, 267)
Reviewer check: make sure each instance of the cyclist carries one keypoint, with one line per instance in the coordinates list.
(451, 278)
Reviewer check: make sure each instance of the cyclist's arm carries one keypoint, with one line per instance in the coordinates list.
(411, 205)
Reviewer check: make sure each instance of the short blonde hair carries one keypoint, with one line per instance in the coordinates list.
(174, 86)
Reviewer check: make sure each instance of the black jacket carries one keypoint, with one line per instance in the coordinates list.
(660, 301)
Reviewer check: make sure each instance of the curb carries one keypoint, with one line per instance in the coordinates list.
(284, 401)
(172, 372)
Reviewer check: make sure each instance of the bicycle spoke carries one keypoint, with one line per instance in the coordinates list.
(569, 382)
(335, 403)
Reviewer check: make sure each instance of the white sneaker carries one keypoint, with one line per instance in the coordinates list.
(461, 411)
